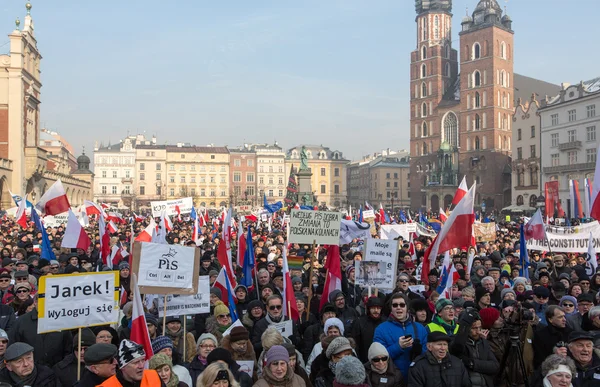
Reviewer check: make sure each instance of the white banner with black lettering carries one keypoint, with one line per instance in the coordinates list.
(178, 305)
(185, 206)
(568, 239)
(322, 227)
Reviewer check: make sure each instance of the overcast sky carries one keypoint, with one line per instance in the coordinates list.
(331, 72)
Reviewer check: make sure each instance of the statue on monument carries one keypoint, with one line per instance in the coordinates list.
(306, 199)
(303, 159)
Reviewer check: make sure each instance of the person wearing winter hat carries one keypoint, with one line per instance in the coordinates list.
(482, 297)
(363, 329)
(177, 335)
(131, 359)
(350, 372)
(164, 345)
(100, 364)
(488, 317)
(277, 371)
(312, 334)
(336, 350)
(343, 312)
(220, 321)
(66, 369)
(221, 355)
(254, 312)
(295, 364)
(152, 324)
(541, 296)
(508, 294)
(239, 345)
(333, 327)
(380, 370)
(22, 370)
(443, 321)
(241, 306)
(419, 308)
(569, 305)
(206, 343)
(163, 365)
(217, 374)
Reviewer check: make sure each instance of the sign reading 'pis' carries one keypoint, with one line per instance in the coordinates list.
(166, 266)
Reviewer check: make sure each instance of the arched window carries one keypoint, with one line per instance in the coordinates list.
(447, 69)
(520, 200)
(423, 53)
(424, 110)
(423, 90)
(476, 51)
(424, 130)
(468, 144)
(477, 100)
(451, 129)
(505, 143)
(476, 78)
(425, 148)
(476, 143)
(477, 122)
(447, 51)
(503, 78)
(503, 50)
(423, 70)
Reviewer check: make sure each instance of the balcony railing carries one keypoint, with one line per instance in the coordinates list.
(569, 145)
(570, 168)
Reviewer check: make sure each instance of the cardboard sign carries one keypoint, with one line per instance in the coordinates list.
(78, 300)
(286, 328)
(367, 214)
(568, 239)
(393, 231)
(166, 269)
(484, 232)
(182, 305)
(320, 226)
(237, 323)
(378, 267)
(185, 206)
(246, 366)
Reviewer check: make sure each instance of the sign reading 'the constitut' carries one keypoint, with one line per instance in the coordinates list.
(78, 300)
(323, 227)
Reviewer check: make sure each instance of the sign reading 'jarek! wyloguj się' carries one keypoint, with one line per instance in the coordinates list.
(323, 227)
(78, 300)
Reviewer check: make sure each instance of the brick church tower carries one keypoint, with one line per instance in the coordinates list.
(460, 123)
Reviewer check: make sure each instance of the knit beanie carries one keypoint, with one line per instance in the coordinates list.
(480, 292)
(336, 322)
(128, 352)
(377, 349)
(160, 343)
(220, 309)
(505, 291)
(441, 304)
(568, 298)
(206, 336)
(216, 291)
(520, 280)
(159, 360)
(488, 317)
(150, 319)
(339, 344)
(277, 353)
(239, 333)
(220, 354)
(350, 372)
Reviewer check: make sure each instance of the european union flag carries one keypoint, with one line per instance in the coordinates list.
(271, 207)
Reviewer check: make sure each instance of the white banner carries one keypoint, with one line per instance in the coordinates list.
(78, 300)
(393, 231)
(568, 239)
(368, 214)
(185, 206)
(61, 219)
(321, 226)
(182, 305)
(166, 266)
(378, 266)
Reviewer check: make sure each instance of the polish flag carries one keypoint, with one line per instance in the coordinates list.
(333, 280)
(21, 215)
(104, 239)
(241, 243)
(92, 208)
(196, 231)
(460, 192)
(224, 249)
(138, 218)
(178, 211)
(412, 251)
(139, 330)
(252, 218)
(104, 205)
(595, 199)
(117, 255)
(116, 217)
(148, 233)
(222, 283)
(112, 227)
(381, 214)
(348, 214)
(75, 236)
(534, 228)
(443, 216)
(290, 309)
(206, 217)
(201, 220)
(456, 232)
(54, 201)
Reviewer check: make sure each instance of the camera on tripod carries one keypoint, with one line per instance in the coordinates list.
(520, 316)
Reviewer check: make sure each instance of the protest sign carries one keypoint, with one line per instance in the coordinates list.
(61, 219)
(185, 206)
(320, 226)
(393, 231)
(484, 232)
(246, 366)
(368, 214)
(568, 239)
(286, 328)
(181, 305)
(237, 323)
(378, 267)
(79, 300)
(369, 217)
(166, 269)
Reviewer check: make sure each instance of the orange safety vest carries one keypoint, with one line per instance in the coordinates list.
(149, 379)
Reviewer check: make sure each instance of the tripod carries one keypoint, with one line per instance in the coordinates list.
(513, 356)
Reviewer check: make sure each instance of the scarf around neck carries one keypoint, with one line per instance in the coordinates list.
(27, 381)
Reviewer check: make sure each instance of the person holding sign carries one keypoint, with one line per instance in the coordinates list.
(21, 370)
(177, 335)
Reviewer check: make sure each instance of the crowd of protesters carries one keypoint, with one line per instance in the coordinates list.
(497, 327)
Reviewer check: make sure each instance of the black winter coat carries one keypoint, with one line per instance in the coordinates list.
(478, 356)
(66, 370)
(426, 371)
(392, 377)
(261, 326)
(312, 335)
(195, 368)
(49, 348)
(45, 377)
(586, 377)
(89, 379)
(544, 340)
(363, 331)
(7, 318)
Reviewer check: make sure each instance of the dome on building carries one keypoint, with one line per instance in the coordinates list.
(467, 19)
(83, 159)
(487, 5)
(506, 18)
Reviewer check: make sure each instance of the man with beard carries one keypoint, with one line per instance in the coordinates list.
(100, 364)
(559, 267)
(343, 312)
(587, 362)
(363, 329)
(21, 369)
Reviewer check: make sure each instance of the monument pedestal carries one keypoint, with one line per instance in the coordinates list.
(305, 193)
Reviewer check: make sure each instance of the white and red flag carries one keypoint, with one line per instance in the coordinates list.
(138, 218)
(178, 211)
(139, 329)
(241, 243)
(456, 232)
(333, 281)
(443, 217)
(148, 233)
(290, 309)
(453, 278)
(21, 215)
(92, 208)
(117, 255)
(75, 236)
(54, 201)
(460, 192)
(534, 228)
(104, 239)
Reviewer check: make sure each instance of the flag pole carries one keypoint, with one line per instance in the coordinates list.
(184, 336)
(78, 353)
(164, 315)
(310, 275)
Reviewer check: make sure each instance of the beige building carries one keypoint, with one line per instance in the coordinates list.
(328, 173)
(150, 182)
(270, 171)
(25, 166)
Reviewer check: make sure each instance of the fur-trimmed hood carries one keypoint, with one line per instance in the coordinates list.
(248, 355)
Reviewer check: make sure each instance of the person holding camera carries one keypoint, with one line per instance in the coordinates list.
(544, 339)
(471, 346)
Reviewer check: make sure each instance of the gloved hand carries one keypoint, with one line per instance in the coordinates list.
(468, 317)
(469, 363)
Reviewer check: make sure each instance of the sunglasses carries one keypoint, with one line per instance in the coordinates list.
(398, 305)
(222, 316)
(542, 297)
(568, 305)
(403, 281)
(274, 307)
(4, 280)
(378, 359)
(22, 291)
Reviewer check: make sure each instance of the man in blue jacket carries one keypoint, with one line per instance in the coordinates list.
(403, 338)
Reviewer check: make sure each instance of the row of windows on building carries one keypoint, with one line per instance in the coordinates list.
(590, 136)
(322, 155)
(572, 115)
(474, 143)
(115, 160)
(572, 158)
(520, 133)
(183, 179)
(202, 168)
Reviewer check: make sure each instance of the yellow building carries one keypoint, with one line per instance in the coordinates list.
(150, 181)
(328, 173)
